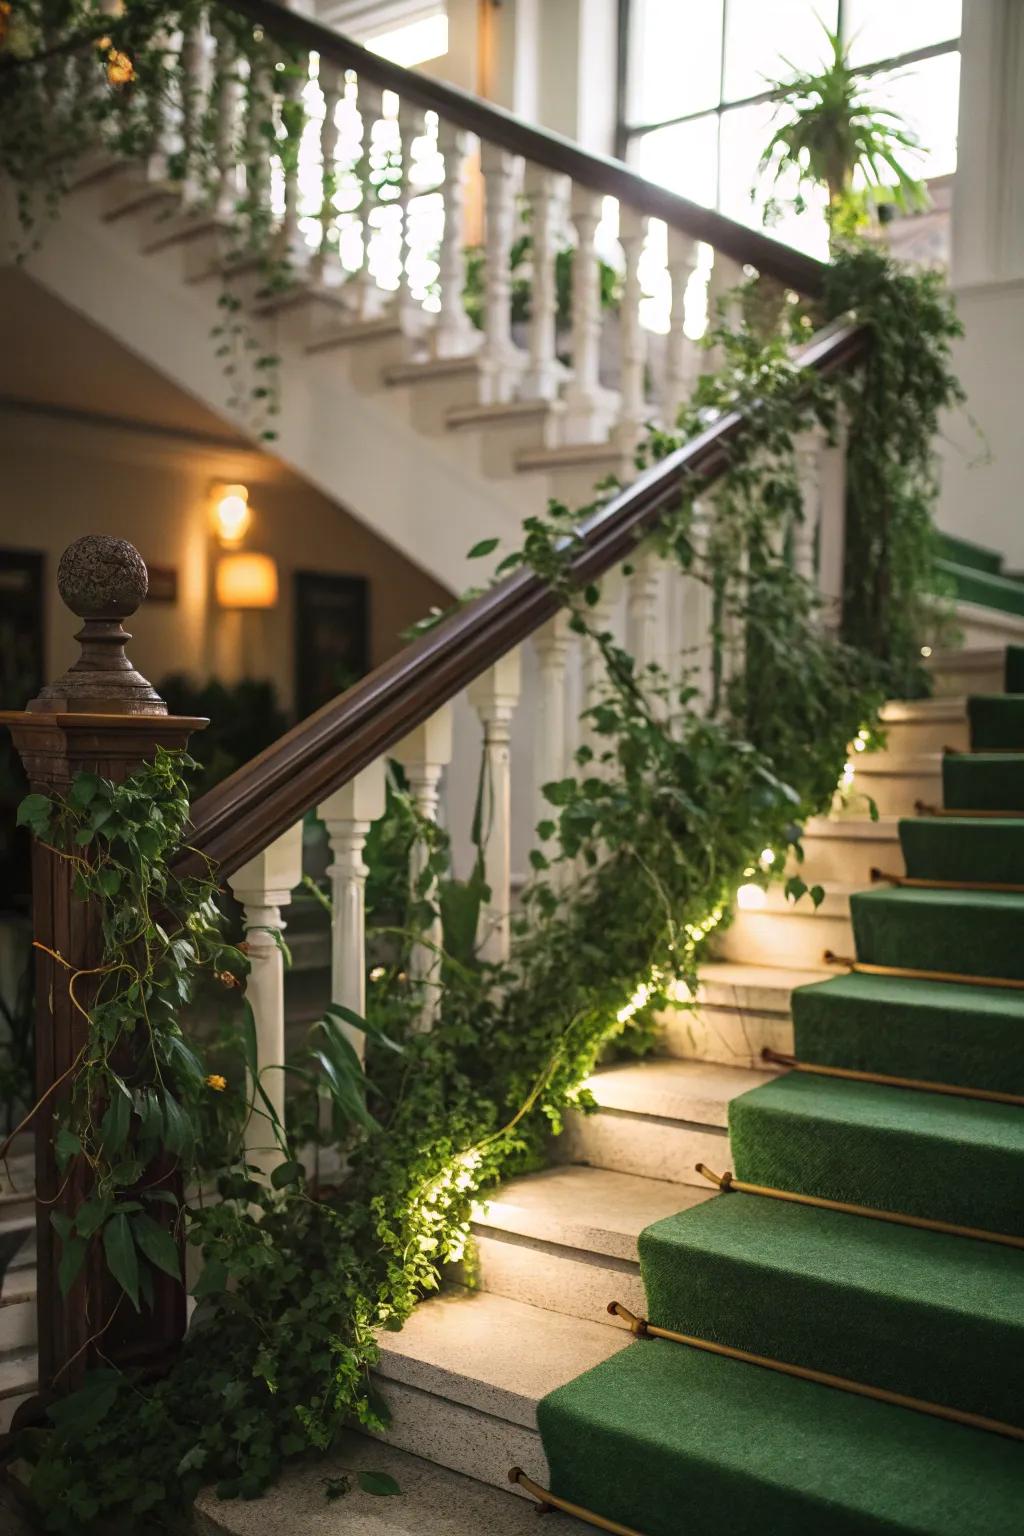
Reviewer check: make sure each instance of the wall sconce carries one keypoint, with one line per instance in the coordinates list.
(231, 514)
(246, 581)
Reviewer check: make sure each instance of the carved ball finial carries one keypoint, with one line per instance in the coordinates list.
(99, 577)
(103, 580)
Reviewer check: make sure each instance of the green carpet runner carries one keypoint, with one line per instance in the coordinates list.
(666, 1439)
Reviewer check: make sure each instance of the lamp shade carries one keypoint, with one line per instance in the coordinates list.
(246, 581)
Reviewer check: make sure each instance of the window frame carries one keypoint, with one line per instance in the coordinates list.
(626, 132)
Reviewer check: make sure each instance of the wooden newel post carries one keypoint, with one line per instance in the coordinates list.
(101, 717)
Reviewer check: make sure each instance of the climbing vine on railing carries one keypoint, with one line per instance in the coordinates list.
(675, 800)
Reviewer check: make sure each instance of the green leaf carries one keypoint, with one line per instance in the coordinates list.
(115, 1123)
(381, 1484)
(109, 879)
(157, 1244)
(93, 1214)
(72, 1257)
(179, 1134)
(485, 547)
(287, 1173)
(66, 1145)
(83, 790)
(34, 812)
(122, 1260)
(88, 1407)
(212, 1281)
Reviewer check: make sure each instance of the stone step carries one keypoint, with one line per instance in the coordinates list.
(737, 1011)
(925, 725)
(770, 929)
(465, 1375)
(956, 672)
(845, 850)
(566, 1239)
(657, 1118)
(18, 1369)
(433, 1502)
(894, 781)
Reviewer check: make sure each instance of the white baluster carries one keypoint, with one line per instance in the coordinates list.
(832, 538)
(259, 109)
(494, 696)
(194, 86)
(411, 127)
(263, 886)
(348, 815)
(633, 412)
(551, 643)
(230, 87)
(546, 194)
(292, 83)
(682, 356)
(454, 335)
(425, 754)
(726, 275)
(695, 613)
(808, 448)
(501, 360)
(368, 299)
(164, 113)
(643, 610)
(600, 619)
(332, 86)
(588, 411)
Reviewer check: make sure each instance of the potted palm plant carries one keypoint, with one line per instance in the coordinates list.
(830, 129)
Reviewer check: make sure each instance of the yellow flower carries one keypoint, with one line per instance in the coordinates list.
(216, 1082)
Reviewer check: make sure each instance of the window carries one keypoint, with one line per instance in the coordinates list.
(692, 110)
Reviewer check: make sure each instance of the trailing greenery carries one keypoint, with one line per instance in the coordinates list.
(832, 132)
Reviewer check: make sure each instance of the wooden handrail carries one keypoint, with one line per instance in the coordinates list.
(260, 800)
(600, 173)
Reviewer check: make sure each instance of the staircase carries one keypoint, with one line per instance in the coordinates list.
(519, 1362)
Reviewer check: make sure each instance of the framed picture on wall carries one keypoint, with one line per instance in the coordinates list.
(332, 636)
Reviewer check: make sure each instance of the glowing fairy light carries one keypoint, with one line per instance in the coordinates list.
(751, 898)
(767, 858)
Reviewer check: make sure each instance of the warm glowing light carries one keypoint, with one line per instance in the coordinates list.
(767, 858)
(859, 746)
(751, 898)
(246, 581)
(926, 650)
(231, 515)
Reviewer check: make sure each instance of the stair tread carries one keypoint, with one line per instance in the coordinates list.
(663, 1428)
(492, 1353)
(922, 1313)
(433, 1502)
(593, 1209)
(734, 983)
(18, 1371)
(695, 1091)
(948, 706)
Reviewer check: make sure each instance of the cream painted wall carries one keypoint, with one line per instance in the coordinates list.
(65, 477)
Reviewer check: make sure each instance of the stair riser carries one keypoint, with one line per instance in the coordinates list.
(955, 679)
(902, 737)
(847, 860)
(18, 1324)
(896, 794)
(557, 1279)
(783, 938)
(734, 1037)
(427, 403)
(463, 1439)
(500, 443)
(653, 1149)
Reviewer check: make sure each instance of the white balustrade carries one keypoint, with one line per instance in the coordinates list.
(454, 334)
(258, 112)
(695, 612)
(411, 127)
(263, 886)
(348, 815)
(682, 356)
(633, 411)
(501, 361)
(425, 754)
(726, 276)
(194, 87)
(368, 299)
(494, 696)
(588, 407)
(601, 620)
(643, 610)
(546, 195)
(293, 82)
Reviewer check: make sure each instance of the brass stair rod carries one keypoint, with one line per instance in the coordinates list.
(549, 1501)
(727, 1184)
(914, 883)
(862, 968)
(924, 809)
(643, 1329)
(922, 1085)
